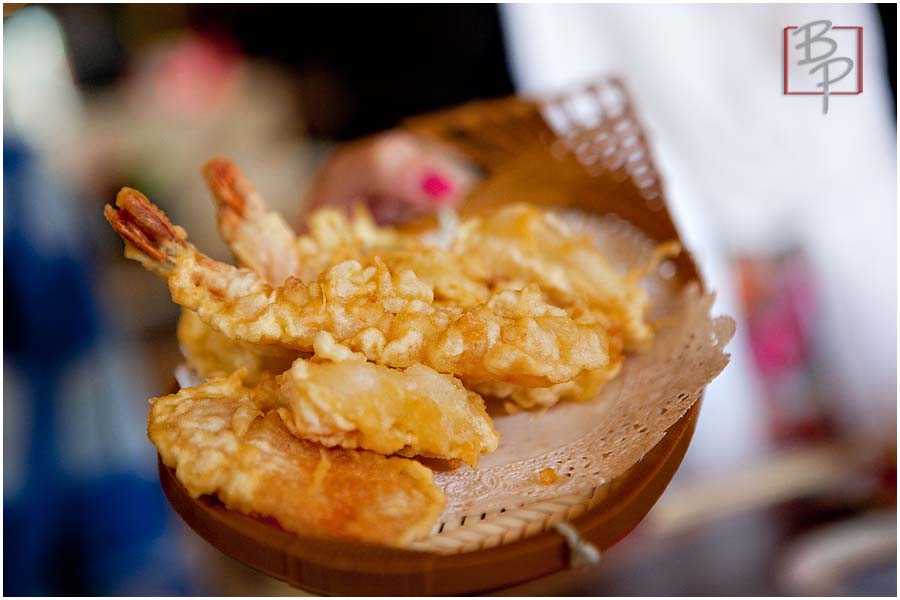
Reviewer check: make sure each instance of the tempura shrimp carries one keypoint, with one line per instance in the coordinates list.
(391, 318)
(220, 440)
(521, 242)
(263, 241)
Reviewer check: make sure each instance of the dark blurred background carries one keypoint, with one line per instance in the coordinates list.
(354, 71)
(790, 486)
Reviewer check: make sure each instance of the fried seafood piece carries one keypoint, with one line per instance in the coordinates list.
(263, 241)
(332, 237)
(339, 399)
(390, 317)
(523, 243)
(220, 441)
(260, 239)
(212, 354)
(585, 386)
(440, 269)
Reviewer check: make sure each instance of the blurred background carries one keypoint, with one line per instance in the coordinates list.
(790, 484)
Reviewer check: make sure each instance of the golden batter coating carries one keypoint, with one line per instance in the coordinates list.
(503, 250)
(212, 354)
(339, 399)
(391, 318)
(523, 243)
(220, 441)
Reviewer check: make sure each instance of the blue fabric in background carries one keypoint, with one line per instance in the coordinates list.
(92, 531)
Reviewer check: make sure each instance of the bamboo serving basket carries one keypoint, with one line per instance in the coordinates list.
(583, 150)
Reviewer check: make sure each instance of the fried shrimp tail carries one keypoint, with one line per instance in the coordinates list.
(234, 194)
(260, 239)
(221, 441)
(150, 237)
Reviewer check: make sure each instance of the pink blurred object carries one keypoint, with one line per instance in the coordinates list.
(437, 186)
(196, 73)
(780, 325)
(779, 298)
